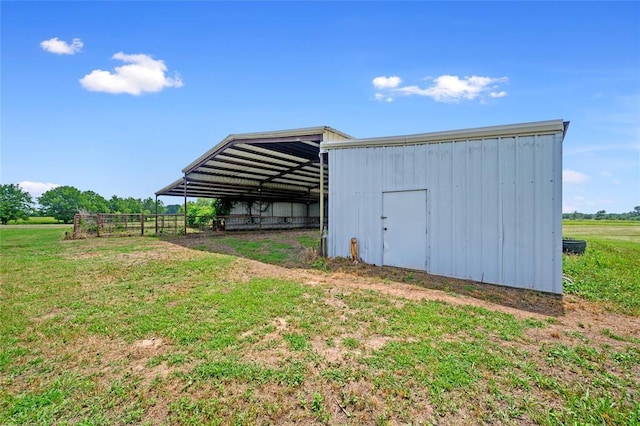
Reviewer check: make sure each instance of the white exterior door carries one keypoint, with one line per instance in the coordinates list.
(404, 222)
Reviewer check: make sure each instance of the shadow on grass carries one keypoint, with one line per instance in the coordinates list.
(296, 249)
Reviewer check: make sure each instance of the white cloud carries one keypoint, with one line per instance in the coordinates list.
(610, 177)
(584, 205)
(383, 82)
(141, 74)
(445, 88)
(36, 189)
(61, 47)
(383, 98)
(571, 176)
(572, 204)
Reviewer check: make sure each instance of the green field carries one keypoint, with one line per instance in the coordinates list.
(612, 230)
(609, 271)
(39, 220)
(136, 330)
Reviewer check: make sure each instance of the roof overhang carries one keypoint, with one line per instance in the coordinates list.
(280, 165)
(522, 129)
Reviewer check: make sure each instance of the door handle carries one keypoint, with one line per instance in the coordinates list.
(383, 217)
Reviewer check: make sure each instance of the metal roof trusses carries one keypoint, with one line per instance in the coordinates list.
(282, 165)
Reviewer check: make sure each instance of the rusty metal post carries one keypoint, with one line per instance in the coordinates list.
(323, 235)
(156, 215)
(321, 192)
(260, 208)
(185, 203)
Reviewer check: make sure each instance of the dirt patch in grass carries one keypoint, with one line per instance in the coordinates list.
(571, 314)
(565, 320)
(114, 358)
(285, 248)
(345, 281)
(399, 282)
(340, 344)
(101, 249)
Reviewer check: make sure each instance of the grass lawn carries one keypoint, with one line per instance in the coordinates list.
(609, 271)
(136, 330)
(36, 220)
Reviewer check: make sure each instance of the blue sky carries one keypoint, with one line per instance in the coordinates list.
(118, 97)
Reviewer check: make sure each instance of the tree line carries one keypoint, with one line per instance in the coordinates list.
(603, 215)
(63, 202)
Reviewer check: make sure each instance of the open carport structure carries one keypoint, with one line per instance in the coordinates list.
(282, 167)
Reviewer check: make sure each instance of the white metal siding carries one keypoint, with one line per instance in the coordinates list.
(278, 208)
(494, 209)
(314, 210)
(281, 209)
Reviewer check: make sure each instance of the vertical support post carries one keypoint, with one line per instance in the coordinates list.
(321, 192)
(142, 224)
(156, 215)
(323, 235)
(185, 203)
(260, 208)
(98, 224)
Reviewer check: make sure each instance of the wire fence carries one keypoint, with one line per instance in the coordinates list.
(109, 225)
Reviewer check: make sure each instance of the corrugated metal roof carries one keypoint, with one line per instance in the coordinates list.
(522, 129)
(278, 165)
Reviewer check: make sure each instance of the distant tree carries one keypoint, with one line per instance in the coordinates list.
(172, 208)
(602, 214)
(14, 203)
(114, 204)
(133, 205)
(127, 205)
(62, 203)
(224, 206)
(149, 206)
(199, 212)
(94, 203)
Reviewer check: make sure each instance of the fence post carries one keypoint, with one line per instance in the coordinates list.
(98, 224)
(142, 224)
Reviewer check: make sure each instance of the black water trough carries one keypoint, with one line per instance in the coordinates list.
(572, 246)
